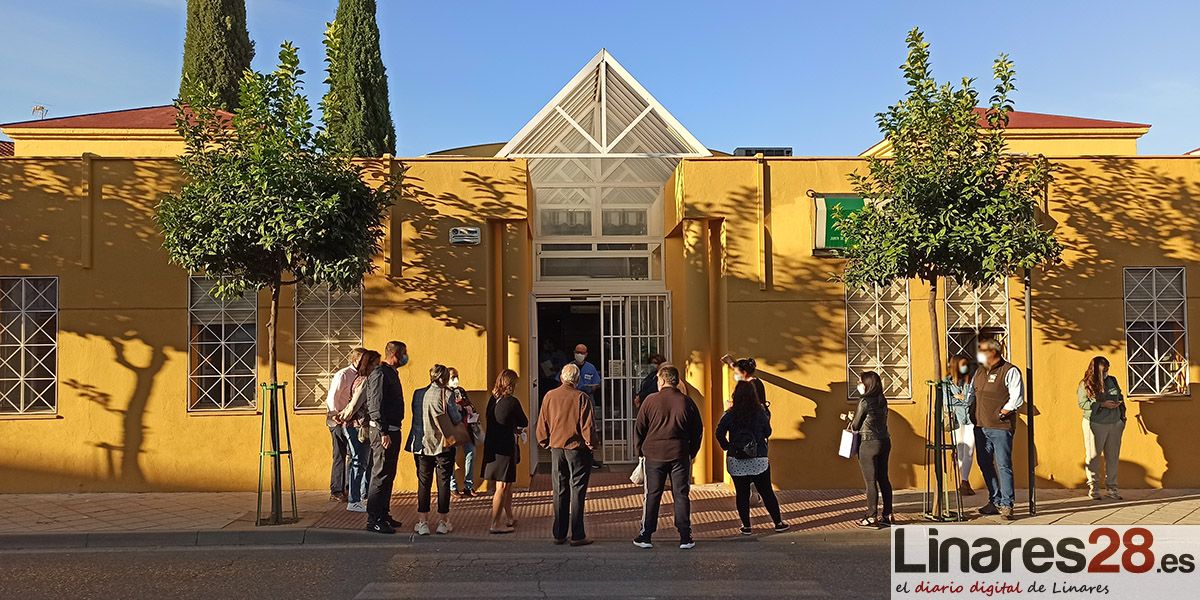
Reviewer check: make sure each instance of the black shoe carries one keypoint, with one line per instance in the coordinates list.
(642, 541)
(781, 527)
(380, 527)
(560, 541)
(989, 509)
(686, 543)
(392, 522)
(745, 531)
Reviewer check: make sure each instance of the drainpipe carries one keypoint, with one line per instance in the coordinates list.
(761, 213)
(1029, 390)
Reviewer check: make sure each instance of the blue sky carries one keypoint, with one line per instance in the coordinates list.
(805, 74)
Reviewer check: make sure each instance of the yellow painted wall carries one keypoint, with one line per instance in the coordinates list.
(782, 310)
(1058, 142)
(122, 422)
(45, 142)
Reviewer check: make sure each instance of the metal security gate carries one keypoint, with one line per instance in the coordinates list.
(632, 327)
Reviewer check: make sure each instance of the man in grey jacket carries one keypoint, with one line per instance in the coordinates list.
(385, 410)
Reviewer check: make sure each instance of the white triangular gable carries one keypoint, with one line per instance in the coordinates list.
(603, 111)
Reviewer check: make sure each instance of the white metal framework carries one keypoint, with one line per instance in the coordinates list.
(1156, 331)
(631, 329)
(877, 333)
(328, 325)
(223, 349)
(28, 345)
(599, 155)
(974, 313)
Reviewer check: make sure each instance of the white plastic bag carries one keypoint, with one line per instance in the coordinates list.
(638, 475)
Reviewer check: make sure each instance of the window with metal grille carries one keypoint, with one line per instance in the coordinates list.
(222, 349)
(328, 326)
(877, 338)
(1156, 331)
(974, 313)
(28, 345)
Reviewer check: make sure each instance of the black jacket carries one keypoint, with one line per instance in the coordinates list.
(385, 397)
(759, 429)
(668, 427)
(870, 418)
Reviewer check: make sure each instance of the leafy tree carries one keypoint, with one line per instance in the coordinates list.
(357, 111)
(217, 48)
(951, 201)
(269, 201)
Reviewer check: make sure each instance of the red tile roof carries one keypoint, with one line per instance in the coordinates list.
(1032, 120)
(6, 148)
(150, 117)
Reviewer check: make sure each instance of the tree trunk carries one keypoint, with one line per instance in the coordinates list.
(273, 407)
(937, 433)
(934, 330)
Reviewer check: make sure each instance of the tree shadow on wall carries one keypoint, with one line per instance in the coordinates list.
(444, 281)
(42, 204)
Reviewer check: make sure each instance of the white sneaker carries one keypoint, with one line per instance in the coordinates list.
(422, 528)
(356, 507)
(443, 527)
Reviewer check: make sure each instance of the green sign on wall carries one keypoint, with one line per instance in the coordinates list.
(828, 236)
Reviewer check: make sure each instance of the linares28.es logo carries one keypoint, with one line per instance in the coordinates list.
(1109, 551)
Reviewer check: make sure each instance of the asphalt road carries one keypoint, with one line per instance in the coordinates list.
(852, 564)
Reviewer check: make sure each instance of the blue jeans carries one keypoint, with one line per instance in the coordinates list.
(993, 451)
(468, 470)
(360, 465)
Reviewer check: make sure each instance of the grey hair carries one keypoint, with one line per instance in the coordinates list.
(570, 374)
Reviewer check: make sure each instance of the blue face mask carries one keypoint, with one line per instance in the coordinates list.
(404, 360)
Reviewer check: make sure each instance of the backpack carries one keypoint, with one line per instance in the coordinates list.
(743, 443)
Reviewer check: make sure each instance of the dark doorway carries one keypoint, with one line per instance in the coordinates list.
(561, 325)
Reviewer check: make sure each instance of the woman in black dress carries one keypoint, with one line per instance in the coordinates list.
(501, 452)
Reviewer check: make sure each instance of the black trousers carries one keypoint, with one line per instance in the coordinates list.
(383, 474)
(873, 458)
(680, 472)
(337, 473)
(426, 464)
(569, 472)
(762, 482)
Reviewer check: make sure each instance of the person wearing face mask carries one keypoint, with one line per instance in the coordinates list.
(589, 383)
(460, 398)
(959, 396)
(341, 389)
(385, 414)
(998, 394)
(650, 382)
(744, 369)
(1103, 408)
(874, 448)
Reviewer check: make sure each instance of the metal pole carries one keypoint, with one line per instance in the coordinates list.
(1032, 460)
(276, 465)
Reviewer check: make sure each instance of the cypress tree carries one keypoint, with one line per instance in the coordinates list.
(357, 114)
(217, 49)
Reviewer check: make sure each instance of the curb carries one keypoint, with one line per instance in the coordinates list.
(183, 539)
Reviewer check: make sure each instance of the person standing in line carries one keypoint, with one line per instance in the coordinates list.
(385, 414)
(874, 447)
(565, 427)
(650, 382)
(998, 395)
(430, 452)
(960, 394)
(667, 432)
(590, 384)
(462, 400)
(501, 450)
(1103, 407)
(742, 433)
(744, 369)
(341, 389)
(354, 420)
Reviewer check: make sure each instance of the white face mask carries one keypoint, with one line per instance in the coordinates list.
(862, 389)
(738, 377)
(981, 358)
(963, 369)
(580, 357)
(453, 382)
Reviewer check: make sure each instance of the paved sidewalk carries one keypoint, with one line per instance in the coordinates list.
(614, 509)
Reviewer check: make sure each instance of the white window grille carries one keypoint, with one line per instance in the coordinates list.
(877, 332)
(1156, 331)
(599, 155)
(974, 313)
(28, 345)
(223, 349)
(328, 325)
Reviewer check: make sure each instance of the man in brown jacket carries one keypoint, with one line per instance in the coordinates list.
(565, 427)
(667, 435)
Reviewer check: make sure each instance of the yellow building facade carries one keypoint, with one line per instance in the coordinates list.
(603, 222)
